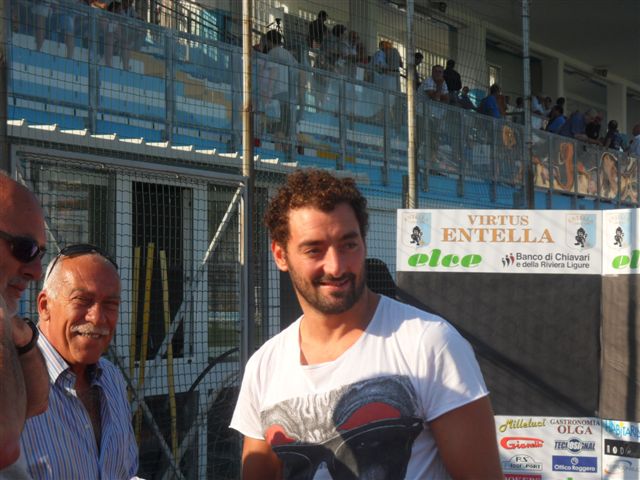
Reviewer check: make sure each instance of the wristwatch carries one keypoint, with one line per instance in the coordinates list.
(34, 338)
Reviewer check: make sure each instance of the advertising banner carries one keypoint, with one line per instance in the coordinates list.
(620, 450)
(549, 448)
(621, 246)
(499, 241)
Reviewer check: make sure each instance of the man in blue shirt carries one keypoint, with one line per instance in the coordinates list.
(576, 125)
(489, 105)
(86, 432)
(556, 119)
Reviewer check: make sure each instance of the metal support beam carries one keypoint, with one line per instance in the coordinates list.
(412, 167)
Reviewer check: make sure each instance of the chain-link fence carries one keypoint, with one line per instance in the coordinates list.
(126, 124)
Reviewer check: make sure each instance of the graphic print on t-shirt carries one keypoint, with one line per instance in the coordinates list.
(364, 430)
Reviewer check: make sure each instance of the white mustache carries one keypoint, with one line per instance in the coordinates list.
(88, 329)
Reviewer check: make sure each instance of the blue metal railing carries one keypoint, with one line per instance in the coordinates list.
(83, 67)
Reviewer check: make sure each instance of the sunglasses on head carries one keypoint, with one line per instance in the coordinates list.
(23, 249)
(78, 250)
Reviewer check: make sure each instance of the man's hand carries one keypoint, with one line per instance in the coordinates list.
(34, 369)
(258, 461)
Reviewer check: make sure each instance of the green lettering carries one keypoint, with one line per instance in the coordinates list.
(450, 260)
(418, 260)
(470, 261)
(635, 258)
(435, 257)
(621, 261)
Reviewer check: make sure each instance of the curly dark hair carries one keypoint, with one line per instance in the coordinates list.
(313, 188)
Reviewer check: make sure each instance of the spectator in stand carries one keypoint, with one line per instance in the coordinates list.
(131, 38)
(357, 46)
(109, 30)
(536, 104)
(576, 125)
(277, 84)
(417, 60)
(453, 81)
(43, 11)
(593, 129)
(560, 102)
(387, 63)
(613, 139)
(517, 112)
(634, 148)
(466, 102)
(336, 49)
(489, 104)
(547, 104)
(435, 86)
(556, 119)
(318, 30)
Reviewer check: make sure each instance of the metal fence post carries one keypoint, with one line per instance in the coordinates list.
(457, 148)
(342, 125)
(170, 98)
(94, 81)
(5, 162)
(386, 140)
(494, 166)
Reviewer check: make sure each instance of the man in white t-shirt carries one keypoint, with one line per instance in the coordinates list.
(434, 86)
(361, 386)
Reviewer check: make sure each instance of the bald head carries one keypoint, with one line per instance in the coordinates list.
(21, 219)
(16, 199)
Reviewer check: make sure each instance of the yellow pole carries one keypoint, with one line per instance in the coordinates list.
(134, 315)
(146, 313)
(170, 379)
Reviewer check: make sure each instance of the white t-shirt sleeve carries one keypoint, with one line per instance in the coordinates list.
(454, 378)
(246, 416)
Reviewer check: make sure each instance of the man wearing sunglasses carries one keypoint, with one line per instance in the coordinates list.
(86, 432)
(23, 376)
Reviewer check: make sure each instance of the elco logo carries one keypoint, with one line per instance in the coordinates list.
(624, 261)
(435, 259)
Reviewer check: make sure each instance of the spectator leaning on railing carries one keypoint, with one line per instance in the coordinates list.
(575, 126)
(613, 139)
(556, 119)
(634, 148)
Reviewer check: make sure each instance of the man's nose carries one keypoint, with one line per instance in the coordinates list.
(334, 262)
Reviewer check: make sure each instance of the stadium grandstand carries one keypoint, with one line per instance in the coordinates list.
(126, 120)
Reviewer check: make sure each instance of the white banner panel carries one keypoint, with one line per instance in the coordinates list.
(549, 448)
(621, 245)
(499, 241)
(620, 450)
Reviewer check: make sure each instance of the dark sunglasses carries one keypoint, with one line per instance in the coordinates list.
(23, 249)
(77, 250)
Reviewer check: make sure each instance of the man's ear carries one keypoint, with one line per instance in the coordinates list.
(43, 306)
(279, 255)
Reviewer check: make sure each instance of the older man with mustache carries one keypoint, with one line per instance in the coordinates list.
(86, 432)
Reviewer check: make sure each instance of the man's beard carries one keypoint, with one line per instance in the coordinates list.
(334, 303)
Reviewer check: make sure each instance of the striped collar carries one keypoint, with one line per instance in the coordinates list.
(60, 371)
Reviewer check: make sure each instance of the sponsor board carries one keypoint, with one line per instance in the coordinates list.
(492, 241)
(620, 450)
(549, 447)
(565, 463)
(620, 242)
